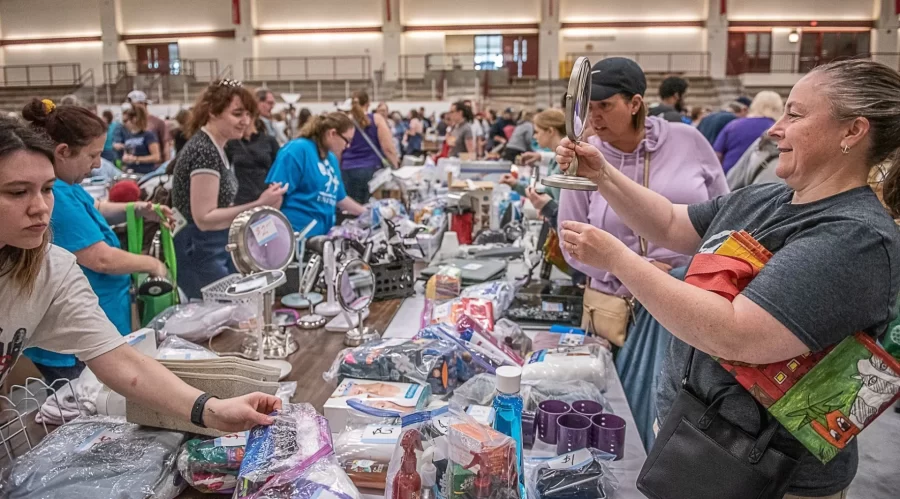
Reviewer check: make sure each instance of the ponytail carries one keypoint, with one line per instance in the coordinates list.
(71, 125)
(360, 107)
(891, 185)
(317, 126)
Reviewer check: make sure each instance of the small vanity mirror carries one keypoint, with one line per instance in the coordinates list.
(261, 239)
(578, 96)
(356, 290)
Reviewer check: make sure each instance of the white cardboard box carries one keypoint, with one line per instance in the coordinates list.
(386, 395)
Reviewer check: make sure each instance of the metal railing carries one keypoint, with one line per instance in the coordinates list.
(28, 75)
(415, 66)
(308, 68)
(200, 69)
(794, 62)
(689, 63)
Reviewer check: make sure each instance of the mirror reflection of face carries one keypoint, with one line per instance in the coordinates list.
(611, 118)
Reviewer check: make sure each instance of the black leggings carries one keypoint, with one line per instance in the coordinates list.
(356, 183)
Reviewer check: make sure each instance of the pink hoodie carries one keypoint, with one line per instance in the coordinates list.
(683, 168)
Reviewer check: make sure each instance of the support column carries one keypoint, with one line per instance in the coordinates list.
(2, 52)
(110, 27)
(244, 36)
(717, 37)
(884, 36)
(548, 40)
(392, 39)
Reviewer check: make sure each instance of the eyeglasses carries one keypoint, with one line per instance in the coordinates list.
(346, 141)
(229, 83)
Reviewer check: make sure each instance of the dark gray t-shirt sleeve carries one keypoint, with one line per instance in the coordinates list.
(702, 214)
(808, 286)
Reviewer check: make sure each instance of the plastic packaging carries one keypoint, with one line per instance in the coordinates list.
(501, 293)
(199, 321)
(472, 331)
(369, 435)
(586, 363)
(483, 462)
(421, 361)
(428, 429)
(471, 359)
(512, 336)
(318, 477)
(175, 348)
(98, 456)
(297, 434)
(583, 474)
(480, 391)
(286, 391)
(212, 466)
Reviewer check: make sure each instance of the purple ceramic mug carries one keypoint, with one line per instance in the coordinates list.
(574, 430)
(546, 418)
(608, 434)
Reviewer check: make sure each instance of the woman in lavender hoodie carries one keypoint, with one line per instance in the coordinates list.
(682, 167)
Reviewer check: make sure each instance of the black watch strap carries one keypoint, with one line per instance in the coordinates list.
(197, 410)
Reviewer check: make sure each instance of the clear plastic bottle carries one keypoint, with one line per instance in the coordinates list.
(428, 472)
(508, 408)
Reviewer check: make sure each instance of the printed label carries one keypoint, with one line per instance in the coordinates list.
(551, 306)
(571, 340)
(381, 434)
(264, 229)
(232, 440)
(180, 221)
(575, 459)
(442, 424)
(98, 438)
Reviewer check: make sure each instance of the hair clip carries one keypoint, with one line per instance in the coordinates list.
(49, 106)
(230, 83)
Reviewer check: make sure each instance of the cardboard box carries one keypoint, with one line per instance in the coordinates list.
(387, 395)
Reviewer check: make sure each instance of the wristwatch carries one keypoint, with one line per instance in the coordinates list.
(197, 410)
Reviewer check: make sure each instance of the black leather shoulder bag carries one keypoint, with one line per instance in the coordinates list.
(700, 455)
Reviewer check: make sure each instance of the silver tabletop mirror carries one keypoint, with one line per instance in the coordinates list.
(262, 244)
(356, 290)
(578, 96)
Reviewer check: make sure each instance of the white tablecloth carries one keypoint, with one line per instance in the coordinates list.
(405, 325)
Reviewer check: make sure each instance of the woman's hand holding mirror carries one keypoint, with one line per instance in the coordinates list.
(591, 163)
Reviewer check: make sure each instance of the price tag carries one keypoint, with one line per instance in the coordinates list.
(571, 340)
(180, 221)
(550, 306)
(232, 440)
(483, 414)
(381, 434)
(575, 459)
(264, 229)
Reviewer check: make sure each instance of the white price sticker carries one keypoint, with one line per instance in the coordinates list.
(232, 440)
(101, 437)
(571, 460)
(571, 340)
(550, 306)
(381, 434)
(472, 266)
(264, 229)
(483, 414)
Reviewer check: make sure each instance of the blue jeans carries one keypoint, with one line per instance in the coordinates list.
(201, 258)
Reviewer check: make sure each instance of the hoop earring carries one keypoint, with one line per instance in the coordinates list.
(845, 149)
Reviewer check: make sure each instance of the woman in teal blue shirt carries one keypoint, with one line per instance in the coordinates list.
(78, 224)
(310, 168)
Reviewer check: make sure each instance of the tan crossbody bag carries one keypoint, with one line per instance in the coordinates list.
(608, 315)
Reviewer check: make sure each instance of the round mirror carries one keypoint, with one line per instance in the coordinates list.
(578, 97)
(261, 239)
(356, 286)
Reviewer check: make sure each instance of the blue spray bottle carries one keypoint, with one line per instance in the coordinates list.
(508, 408)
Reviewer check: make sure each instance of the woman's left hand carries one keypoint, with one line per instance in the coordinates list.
(240, 413)
(146, 211)
(592, 246)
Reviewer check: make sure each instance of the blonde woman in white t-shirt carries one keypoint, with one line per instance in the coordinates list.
(46, 301)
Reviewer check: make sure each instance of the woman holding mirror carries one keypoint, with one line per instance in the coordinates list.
(671, 159)
(310, 168)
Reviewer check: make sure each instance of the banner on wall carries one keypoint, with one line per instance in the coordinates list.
(236, 11)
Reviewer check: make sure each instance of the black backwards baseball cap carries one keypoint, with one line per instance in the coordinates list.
(616, 75)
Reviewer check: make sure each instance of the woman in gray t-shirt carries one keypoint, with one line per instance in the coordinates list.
(835, 268)
(461, 138)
